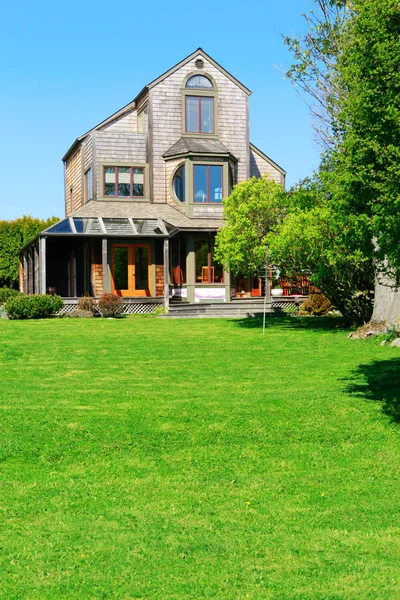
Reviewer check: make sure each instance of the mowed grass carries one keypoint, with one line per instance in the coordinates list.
(174, 459)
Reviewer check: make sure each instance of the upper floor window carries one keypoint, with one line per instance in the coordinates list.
(207, 183)
(124, 182)
(88, 185)
(199, 107)
(199, 112)
(199, 82)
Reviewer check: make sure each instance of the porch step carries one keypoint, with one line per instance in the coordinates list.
(211, 310)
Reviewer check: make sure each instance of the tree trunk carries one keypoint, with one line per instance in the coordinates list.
(387, 300)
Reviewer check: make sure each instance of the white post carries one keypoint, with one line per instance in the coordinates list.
(42, 263)
(166, 273)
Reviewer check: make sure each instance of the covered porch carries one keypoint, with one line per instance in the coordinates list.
(146, 261)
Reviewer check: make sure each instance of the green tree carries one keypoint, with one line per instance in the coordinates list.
(251, 213)
(13, 237)
(316, 241)
(353, 56)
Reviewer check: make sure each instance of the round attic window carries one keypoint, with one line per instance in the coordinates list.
(178, 183)
(199, 64)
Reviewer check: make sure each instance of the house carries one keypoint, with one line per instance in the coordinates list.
(143, 195)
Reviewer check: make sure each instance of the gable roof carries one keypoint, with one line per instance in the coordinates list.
(195, 54)
(132, 104)
(267, 159)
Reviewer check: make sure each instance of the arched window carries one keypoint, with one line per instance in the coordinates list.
(199, 82)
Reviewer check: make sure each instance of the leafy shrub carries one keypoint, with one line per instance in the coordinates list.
(316, 305)
(160, 310)
(34, 306)
(6, 293)
(78, 313)
(110, 305)
(87, 304)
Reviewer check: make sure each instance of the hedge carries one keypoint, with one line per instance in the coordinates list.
(34, 306)
(6, 293)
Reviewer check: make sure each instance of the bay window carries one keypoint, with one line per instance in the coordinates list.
(208, 183)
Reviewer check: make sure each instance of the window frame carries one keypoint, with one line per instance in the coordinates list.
(122, 166)
(87, 188)
(199, 109)
(173, 192)
(208, 165)
(200, 93)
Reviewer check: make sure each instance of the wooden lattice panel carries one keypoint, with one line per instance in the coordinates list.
(129, 308)
(66, 308)
(287, 302)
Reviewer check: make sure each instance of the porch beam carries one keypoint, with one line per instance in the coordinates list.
(166, 272)
(42, 265)
(133, 226)
(103, 227)
(72, 225)
(104, 261)
(162, 226)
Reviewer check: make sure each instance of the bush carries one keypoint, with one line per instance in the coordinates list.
(317, 305)
(87, 304)
(78, 313)
(110, 305)
(6, 293)
(35, 306)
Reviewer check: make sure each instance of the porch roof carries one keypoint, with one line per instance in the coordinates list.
(126, 227)
(146, 210)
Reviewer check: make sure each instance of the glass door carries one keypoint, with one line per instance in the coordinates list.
(131, 269)
(142, 270)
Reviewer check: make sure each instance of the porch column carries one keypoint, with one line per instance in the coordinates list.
(25, 271)
(104, 261)
(227, 283)
(42, 265)
(166, 272)
(36, 269)
(190, 269)
(267, 286)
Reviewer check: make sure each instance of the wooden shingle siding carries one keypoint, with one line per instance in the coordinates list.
(126, 147)
(96, 268)
(87, 152)
(260, 167)
(203, 211)
(125, 124)
(165, 108)
(159, 280)
(73, 182)
(170, 167)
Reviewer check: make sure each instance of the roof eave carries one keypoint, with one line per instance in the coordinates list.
(190, 154)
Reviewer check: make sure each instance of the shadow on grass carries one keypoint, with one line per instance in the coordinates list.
(379, 381)
(333, 324)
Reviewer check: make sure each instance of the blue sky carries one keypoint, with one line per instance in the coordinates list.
(64, 67)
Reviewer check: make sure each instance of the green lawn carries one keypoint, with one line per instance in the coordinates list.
(183, 459)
